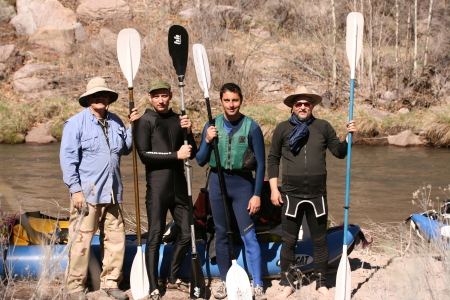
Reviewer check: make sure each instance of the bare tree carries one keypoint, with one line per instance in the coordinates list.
(408, 22)
(372, 94)
(361, 61)
(428, 33)
(397, 11)
(415, 35)
(333, 16)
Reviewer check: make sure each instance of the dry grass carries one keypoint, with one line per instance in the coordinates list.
(438, 130)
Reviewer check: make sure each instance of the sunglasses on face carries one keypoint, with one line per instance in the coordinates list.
(299, 104)
(100, 94)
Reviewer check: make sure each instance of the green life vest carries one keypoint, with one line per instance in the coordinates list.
(231, 150)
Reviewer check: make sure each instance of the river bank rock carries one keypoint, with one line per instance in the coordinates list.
(7, 12)
(35, 14)
(40, 134)
(10, 59)
(103, 11)
(59, 38)
(80, 33)
(28, 79)
(405, 139)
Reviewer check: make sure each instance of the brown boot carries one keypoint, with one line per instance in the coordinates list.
(115, 294)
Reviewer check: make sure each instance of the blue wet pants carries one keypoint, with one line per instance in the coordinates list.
(239, 187)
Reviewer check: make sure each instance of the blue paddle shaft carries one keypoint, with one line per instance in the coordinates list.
(349, 162)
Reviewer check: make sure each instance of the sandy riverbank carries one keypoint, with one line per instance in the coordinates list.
(412, 271)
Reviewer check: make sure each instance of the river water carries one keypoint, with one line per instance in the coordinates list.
(382, 181)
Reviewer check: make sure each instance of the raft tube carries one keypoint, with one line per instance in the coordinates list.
(429, 228)
(36, 260)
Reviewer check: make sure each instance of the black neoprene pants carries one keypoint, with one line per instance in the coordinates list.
(318, 231)
(166, 190)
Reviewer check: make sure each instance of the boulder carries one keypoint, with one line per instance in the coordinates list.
(327, 100)
(103, 10)
(80, 33)
(270, 85)
(3, 71)
(40, 134)
(231, 17)
(11, 56)
(108, 38)
(189, 13)
(32, 70)
(7, 12)
(260, 32)
(60, 39)
(404, 139)
(28, 85)
(389, 96)
(34, 14)
(403, 111)
(27, 79)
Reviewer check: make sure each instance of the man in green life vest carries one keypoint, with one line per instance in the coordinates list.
(237, 135)
(231, 149)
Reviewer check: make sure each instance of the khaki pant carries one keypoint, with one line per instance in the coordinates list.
(109, 219)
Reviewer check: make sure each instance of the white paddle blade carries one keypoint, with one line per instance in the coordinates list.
(138, 276)
(129, 53)
(343, 278)
(354, 39)
(202, 68)
(238, 284)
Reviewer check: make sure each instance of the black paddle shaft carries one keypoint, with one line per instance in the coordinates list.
(223, 189)
(178, 42)
(187, 167)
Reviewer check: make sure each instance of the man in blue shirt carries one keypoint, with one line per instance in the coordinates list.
(92, 143)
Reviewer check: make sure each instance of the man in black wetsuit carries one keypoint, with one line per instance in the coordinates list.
(301, 142)
(160, 145)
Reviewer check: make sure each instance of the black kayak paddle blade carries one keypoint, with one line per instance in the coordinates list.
(179, 48)
(198, 285)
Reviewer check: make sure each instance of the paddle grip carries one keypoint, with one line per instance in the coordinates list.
(130, 95)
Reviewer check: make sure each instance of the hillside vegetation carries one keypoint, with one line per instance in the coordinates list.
(268, 47)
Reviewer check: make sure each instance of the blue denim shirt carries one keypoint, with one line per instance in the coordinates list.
(88, 164)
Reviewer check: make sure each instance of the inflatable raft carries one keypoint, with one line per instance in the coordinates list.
(432, 226)
(35, 260)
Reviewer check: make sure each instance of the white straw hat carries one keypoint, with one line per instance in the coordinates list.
(97, 84)
(302, 91)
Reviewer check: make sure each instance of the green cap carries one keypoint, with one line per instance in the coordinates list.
(157, 84)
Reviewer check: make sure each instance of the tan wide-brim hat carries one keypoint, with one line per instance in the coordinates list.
(97, 84)
(302, 91)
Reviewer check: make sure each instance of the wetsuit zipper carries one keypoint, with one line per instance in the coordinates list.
(306, 169)
(229, 154)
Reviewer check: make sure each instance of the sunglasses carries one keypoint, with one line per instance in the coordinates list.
(100, 94)
(299, 104)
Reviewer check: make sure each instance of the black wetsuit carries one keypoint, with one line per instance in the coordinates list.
(304, 189)
(158, 137)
